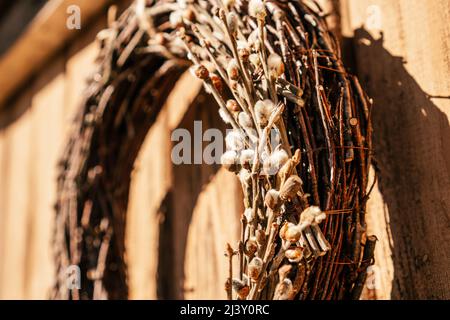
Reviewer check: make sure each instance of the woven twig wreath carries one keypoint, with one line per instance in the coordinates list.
(272, 66)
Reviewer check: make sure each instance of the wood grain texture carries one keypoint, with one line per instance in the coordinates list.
(33, 127)
(47, 115)
(380, 276)
(16, 209)
(215, 222)
(401, 49)
(3, 196)
(150, 182)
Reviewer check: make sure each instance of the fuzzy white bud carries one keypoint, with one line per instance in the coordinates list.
(247, 157)
(241, 288)
(182, 3)
(225, 116)
(268, 168)
(294, 255)
(263, 110)
(251, 246)
(176, 18)
(232, 22)
(244, 176)
(229, 160)
(242, 44)
(229, 157)
(275, 161)
(233, 70)
(276, 65)
(257, 9)
(254, 60)
(248, 213)
(255, 268)
(283, 290)
(272, 199)
(245, 120)
(279, 158)
(312, 215)
(235, 140)
(233, 106)
(292, 233)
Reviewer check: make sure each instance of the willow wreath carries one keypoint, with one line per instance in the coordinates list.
(272, 66)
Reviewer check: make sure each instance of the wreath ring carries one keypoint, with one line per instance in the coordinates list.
(271, 66)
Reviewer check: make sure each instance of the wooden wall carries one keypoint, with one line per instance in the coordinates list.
(33, 128)
(401, 54)
(164, 199)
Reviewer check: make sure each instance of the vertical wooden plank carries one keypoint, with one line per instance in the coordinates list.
(401, 50)
(151, 182)
(215, 222)
(380, 276)
(47, 136)
(200, 227)
(17, 144)
(32, 133)
(4, 164)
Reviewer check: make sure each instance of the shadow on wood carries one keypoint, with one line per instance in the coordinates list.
(412, 153)
(189, 180)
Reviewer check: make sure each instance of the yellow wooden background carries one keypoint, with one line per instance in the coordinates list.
(401, 53)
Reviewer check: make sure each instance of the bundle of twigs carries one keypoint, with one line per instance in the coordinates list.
(275, 71)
